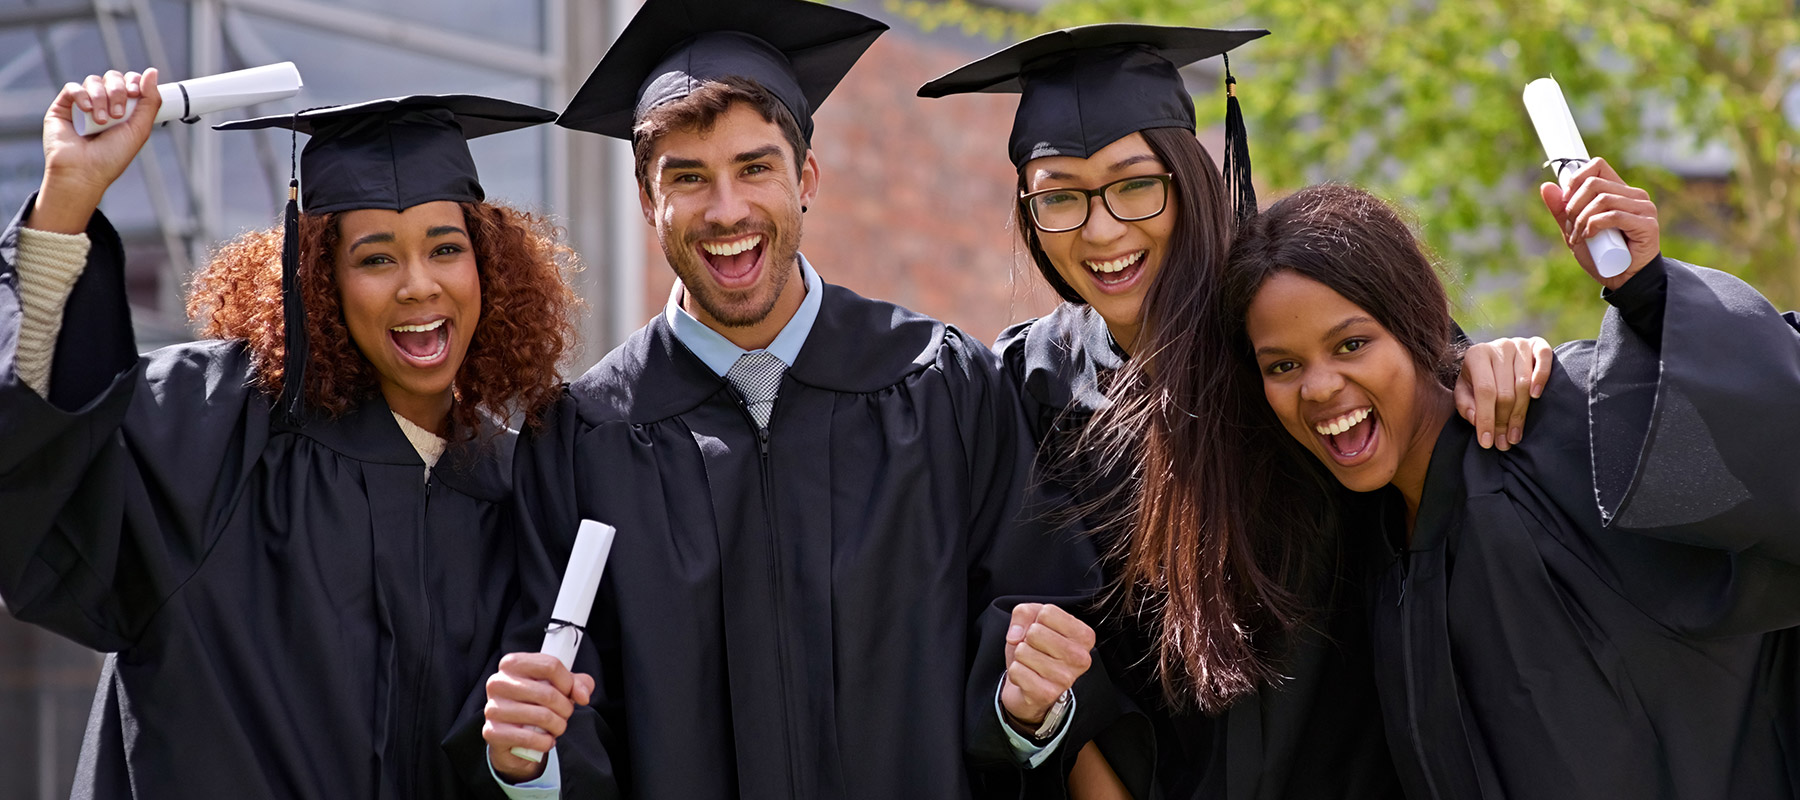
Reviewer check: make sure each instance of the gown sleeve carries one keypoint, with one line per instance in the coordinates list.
(106, 485)
(1023, 551)
(544, 517)
(1694, 391)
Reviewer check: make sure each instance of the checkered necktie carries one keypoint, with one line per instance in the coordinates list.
(757, 375)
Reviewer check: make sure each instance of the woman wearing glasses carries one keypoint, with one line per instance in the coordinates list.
(1226, 667)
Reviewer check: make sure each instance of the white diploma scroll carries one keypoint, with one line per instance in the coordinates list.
(187, 100)
(593, 541)
(1566, 152)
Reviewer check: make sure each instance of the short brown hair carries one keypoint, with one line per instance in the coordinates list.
(526, 326)
(701, 109)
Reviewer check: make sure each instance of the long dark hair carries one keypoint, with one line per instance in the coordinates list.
(1207, 597)
(1234, 525)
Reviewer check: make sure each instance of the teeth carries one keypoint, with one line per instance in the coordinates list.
(431, 326)
(731, 248)
(1116, 264)
(1333, 427)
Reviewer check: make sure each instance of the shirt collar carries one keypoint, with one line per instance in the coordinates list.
(719, 353)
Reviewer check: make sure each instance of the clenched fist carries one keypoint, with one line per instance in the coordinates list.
(1047, 648)
(529, 703)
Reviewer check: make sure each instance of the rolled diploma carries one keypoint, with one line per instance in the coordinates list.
(209, 94)
(593, 542)
(1562, 140)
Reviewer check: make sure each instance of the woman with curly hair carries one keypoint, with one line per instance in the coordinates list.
(293, 555)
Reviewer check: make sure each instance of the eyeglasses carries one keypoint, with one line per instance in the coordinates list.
(1139, 197)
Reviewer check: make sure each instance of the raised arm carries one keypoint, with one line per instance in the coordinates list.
(108, 467)
(1692, 406)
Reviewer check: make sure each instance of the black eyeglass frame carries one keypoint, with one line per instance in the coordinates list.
(1167, 179)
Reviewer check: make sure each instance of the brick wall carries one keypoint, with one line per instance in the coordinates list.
(914, 194)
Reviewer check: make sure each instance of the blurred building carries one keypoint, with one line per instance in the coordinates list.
(914, 202)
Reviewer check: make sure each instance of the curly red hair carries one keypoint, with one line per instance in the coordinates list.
(526, 324)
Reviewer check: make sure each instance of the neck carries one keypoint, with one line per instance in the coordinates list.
(430, 413)
(1125, 336)
(759, 334)
(1436, 408)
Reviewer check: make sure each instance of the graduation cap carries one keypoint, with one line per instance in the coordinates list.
(797, 50)
(1084, 88)
(393, 153)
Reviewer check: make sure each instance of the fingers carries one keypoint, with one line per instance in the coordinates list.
(95, 89)
(1053, 621)
(1058, 661)
(1479, 368)
(1023, 615)
(584, 689)
(526, 691)
(144, 88)
(1523, 368)
(538, 667)
(1598, 200)
(1026, 695)
(1543, 359)
(114, 81)
(73, 96)
(502, 739)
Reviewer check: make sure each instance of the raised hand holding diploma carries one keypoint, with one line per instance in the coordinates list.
(189, 99)
(1600, 202)
(77, 169)
(1567, 154)
(531, 697)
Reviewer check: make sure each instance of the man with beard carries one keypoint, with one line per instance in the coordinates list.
(817, 495)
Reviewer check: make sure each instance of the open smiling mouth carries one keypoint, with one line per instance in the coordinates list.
(1117, 273)
(735, 263)
(1349, 437)
(426, 345)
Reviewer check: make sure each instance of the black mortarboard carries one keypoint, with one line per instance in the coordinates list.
(1085, 88)
(797, 50)
(395, 154)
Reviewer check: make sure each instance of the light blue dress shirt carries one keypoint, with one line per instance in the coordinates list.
(719, 353)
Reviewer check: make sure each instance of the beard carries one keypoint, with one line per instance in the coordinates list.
(750, 305)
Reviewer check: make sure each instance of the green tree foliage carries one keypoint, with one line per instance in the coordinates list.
(1418, 100)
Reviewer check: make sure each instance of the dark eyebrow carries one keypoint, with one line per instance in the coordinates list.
(1128, 161)
(766, 151)
(444, 230)
(681, 163)
(1133, 160)
(1339, 328)
(1330, 334)
(373, 238)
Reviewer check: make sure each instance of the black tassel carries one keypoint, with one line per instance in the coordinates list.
(1237, 153)
(292, 402)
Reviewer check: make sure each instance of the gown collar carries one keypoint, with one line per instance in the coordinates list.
(1441, 501)
(479, 467)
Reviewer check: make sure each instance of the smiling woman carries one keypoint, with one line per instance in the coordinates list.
(297, 599)
(1611, 608)
(505, 331)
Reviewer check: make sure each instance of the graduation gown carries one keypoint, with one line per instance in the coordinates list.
(793, 615)
(1608, 609)
(1316, 735)
(286, 613)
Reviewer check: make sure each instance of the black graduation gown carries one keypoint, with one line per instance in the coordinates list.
(287, 613)
(793, 616)
(1607, 610)
(1316, 735)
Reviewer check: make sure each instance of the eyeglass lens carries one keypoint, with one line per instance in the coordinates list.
(1128, 200)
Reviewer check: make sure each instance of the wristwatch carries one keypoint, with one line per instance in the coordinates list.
(1053, 718)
